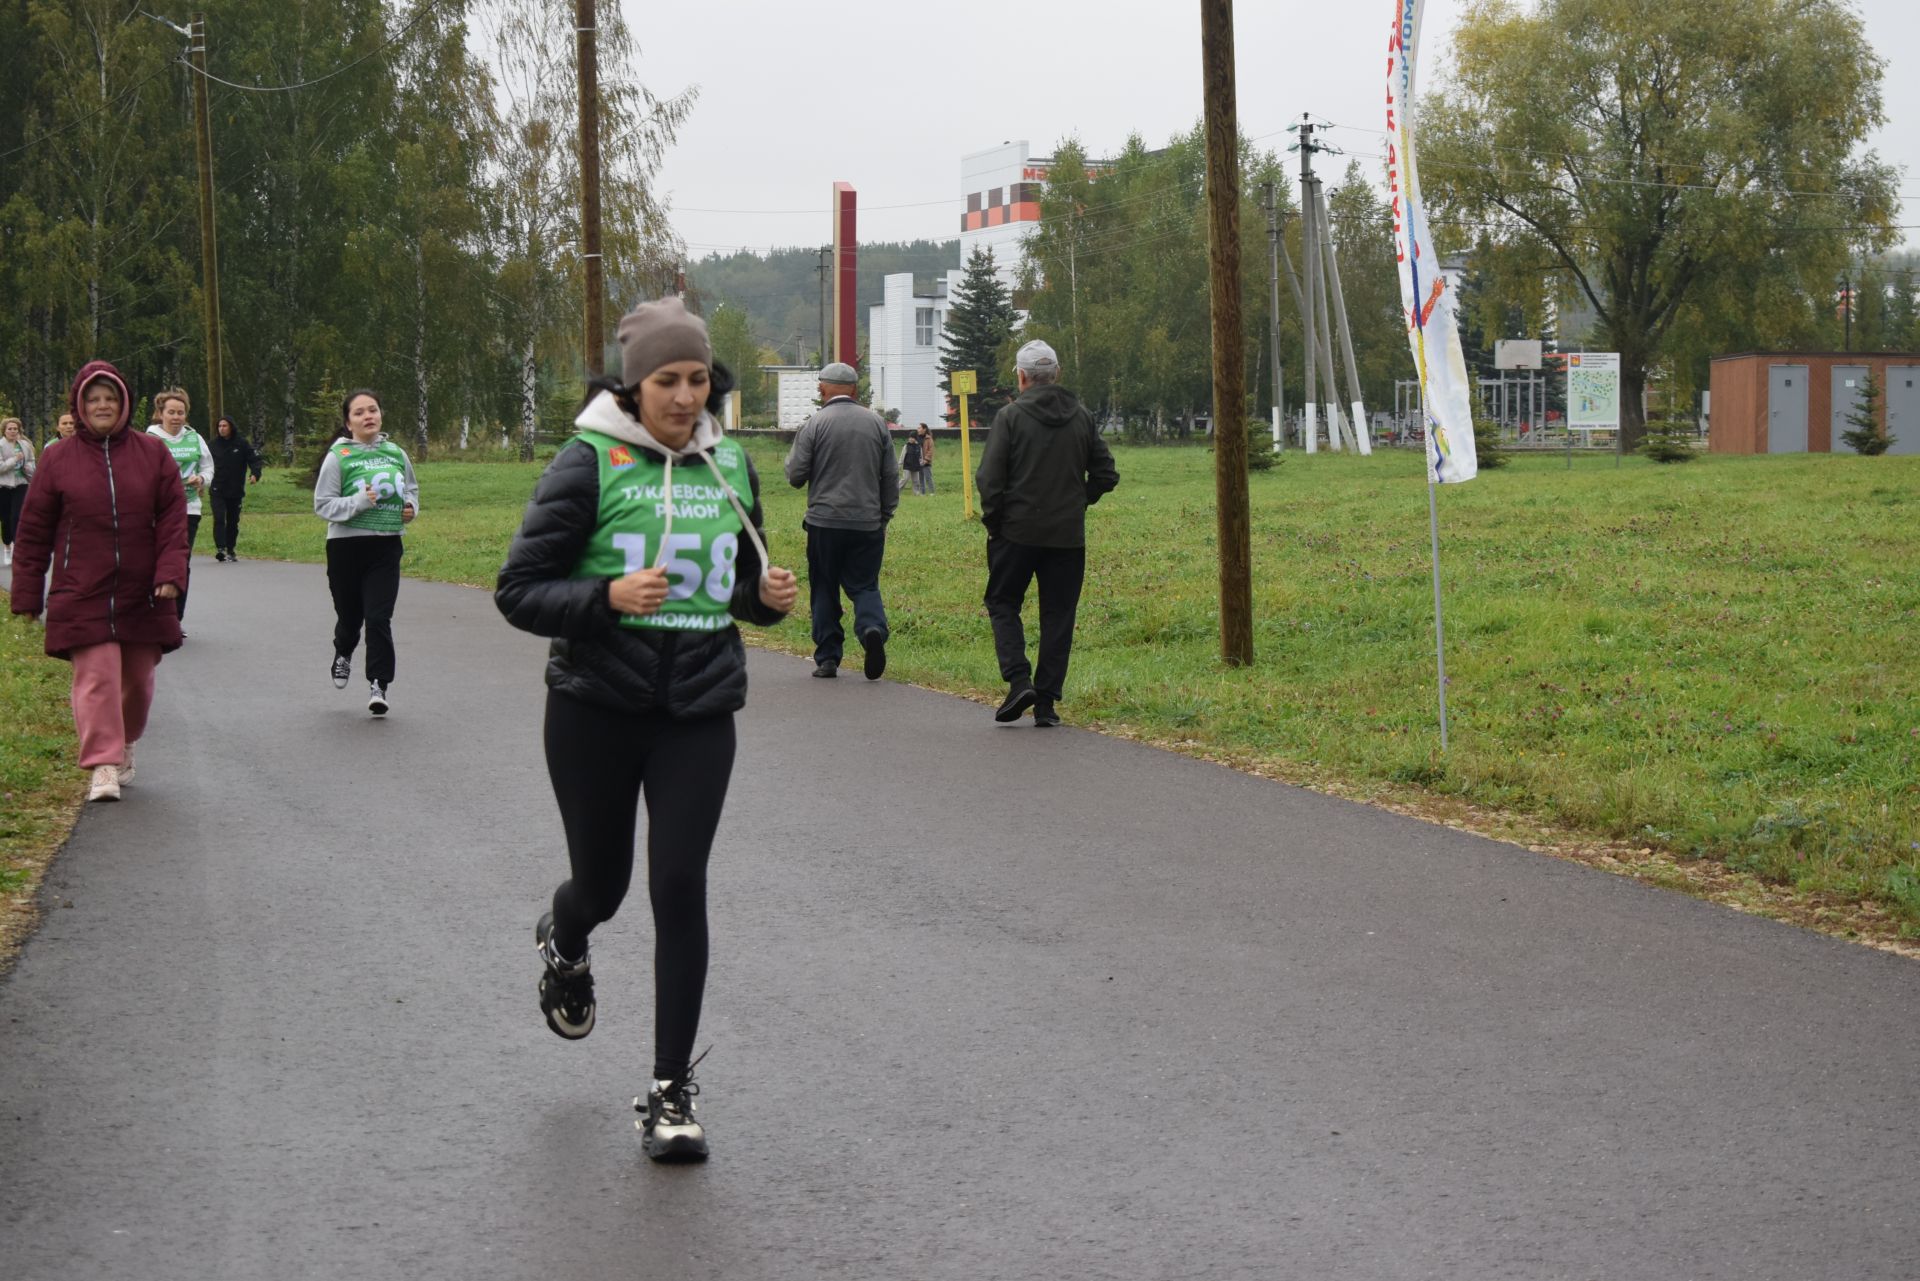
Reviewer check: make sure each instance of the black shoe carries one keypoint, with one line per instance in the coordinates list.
(876, 646)
(233, 556)
(342, 670)
(667, 1127)
(826, 669)
(566, 989)
(220, 555)
(1019, 699)
(1043, 713)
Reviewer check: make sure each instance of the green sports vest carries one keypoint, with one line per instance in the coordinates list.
(186, 456)
(383, 466)
(703, 548)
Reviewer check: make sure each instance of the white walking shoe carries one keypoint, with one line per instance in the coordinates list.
(106, 783)
(377, 698)
(126, 767)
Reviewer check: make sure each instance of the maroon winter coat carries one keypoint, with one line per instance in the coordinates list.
(110, 518)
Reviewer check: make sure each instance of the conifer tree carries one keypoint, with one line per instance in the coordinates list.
(979, 323)
(1866, 436)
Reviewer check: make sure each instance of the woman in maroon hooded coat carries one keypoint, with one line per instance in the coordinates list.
(109, 503)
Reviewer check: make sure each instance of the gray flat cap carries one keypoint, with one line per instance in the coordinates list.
(1036, 356)
(839, 374)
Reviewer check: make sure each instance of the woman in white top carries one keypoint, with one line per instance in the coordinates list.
(195, 460)
(16, 469)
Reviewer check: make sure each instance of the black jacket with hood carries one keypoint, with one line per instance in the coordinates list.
(233, 457)
(1044, 465)
(684, 675)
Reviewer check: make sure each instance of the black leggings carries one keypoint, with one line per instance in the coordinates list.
(601, 761)
(12, 499)
(364, 575)
(193, 532)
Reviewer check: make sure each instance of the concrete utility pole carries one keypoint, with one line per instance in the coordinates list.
(1229, 356)
(1273, 314)
(209, 254)
(826, 265)
(1360, 442)
(1309, 302)
(584, 30)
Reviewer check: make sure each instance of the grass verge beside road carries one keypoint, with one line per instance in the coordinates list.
(39, 787)
(1712, 662)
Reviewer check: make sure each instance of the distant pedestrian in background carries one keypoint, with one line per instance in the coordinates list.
(923, 479)
(195, 461)
(910, 460)
(1044, 465)
(843, 456)
(106, 522)
(16, 469)
(236, 464)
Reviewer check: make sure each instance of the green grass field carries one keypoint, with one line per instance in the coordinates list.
(1720, 660)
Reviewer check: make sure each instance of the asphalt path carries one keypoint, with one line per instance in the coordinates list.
(986, 1002)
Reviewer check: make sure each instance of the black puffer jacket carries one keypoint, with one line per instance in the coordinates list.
(684, 675)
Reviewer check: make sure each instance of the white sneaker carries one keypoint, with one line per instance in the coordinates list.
(126, 767)
(106, 783)
(376, 698)
(6, 555)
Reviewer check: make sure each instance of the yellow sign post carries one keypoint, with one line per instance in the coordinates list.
(965, 382)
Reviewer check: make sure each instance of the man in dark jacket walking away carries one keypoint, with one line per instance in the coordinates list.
(844, 457)
(1044, 465)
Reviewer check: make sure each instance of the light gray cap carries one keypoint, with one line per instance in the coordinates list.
(840, 374)
(1036, 357)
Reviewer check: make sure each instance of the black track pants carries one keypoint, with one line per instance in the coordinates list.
(226, 518)
(364, 576)
(1011, 567)
(601, 761)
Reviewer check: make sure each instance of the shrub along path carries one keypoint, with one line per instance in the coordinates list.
(986, 1002)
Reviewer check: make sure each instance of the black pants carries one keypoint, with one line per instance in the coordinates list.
(226, 518)
(364, 576)
(601, 761)
(193, 530)
(844, 560)
(1060, 570)
(12, 499)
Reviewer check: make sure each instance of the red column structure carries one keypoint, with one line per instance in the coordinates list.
(846, 333)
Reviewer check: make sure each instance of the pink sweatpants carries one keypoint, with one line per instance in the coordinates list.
(112, 690)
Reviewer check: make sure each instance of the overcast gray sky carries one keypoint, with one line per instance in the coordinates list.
(888, 95)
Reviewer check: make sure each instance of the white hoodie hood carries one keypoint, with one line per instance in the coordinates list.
(603, 414)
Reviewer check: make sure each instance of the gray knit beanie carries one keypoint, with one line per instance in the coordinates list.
(659, 333)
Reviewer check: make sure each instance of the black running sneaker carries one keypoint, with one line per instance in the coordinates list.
(566, 989)
(667, 1128)
(1019, 699)
(342, 671)
(826, 669)
(874, 641)
(1043, 713)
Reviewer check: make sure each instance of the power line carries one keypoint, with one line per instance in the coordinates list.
(123, 96)
(426, 7)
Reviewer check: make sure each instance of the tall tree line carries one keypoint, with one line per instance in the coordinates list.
(396, 191)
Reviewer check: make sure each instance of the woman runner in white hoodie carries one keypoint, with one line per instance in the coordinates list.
(367, 494)
(195, 460)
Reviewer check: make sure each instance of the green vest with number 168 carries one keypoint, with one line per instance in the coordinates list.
(702, 550)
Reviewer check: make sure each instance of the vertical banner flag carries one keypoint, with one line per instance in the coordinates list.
(1425, 298)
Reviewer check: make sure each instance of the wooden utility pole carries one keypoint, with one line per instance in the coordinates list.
(209, 255)
(595, 345)
(1229, 355)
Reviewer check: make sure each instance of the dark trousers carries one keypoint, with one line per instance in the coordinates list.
(193, 530)
(364, 576)
(844, 560)
(226, 518)
(601, 762)
(1060, 571)
(12, 499)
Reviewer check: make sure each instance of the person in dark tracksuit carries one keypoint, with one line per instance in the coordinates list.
(1044, 465)
(236, 464)
(641, 547)
(366, 493)
(843, 457)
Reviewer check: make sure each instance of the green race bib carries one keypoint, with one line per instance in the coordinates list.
(186, 456)
(702, 551)
(383, 466)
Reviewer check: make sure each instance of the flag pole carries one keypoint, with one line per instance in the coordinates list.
(1439, 618)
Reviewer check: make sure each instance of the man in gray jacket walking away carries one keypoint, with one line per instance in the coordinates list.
(1044, 465)
(844, 458)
